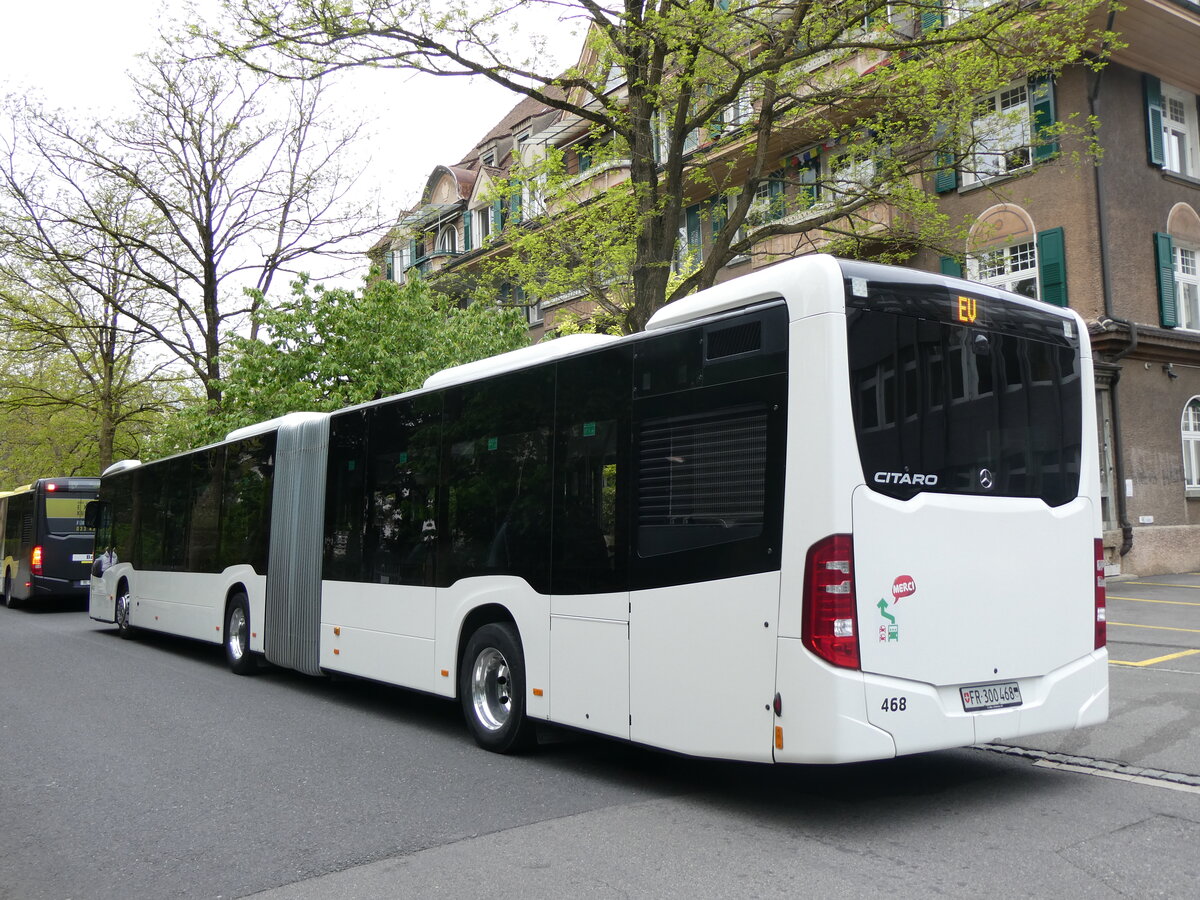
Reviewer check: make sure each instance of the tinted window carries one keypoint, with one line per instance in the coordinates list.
(496, 460)
(971, 410)
(591, 544)
(175, 485)
(708, 434)
(204, 514)
(246, 504)
(344, 503)
(403, 454)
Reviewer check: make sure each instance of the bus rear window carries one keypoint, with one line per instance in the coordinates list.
(64, 512)
(962, 409)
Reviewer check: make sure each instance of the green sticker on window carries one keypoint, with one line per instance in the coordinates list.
(403, 457)
(493, 443)
(589, 429)
(350, 465)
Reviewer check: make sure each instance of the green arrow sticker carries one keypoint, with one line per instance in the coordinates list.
(889, 631)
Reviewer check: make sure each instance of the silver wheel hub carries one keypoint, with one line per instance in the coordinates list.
(122, 612)
(236, 635)
(491, 689)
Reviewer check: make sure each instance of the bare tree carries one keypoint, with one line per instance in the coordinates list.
(231, 178)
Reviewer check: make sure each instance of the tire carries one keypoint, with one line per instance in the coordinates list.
(9, 600)
(492, 689)
(237, 637)
(121, 612)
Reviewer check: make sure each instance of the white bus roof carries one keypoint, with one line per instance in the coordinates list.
(568, 345)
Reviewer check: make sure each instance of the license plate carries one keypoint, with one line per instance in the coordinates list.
(990, 696)
(83, 584)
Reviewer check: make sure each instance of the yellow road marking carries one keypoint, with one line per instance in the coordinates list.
(1156, 660)
(1193, 587)
(1155, 627)
(1144, 600)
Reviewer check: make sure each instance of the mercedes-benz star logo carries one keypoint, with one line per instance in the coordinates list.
(986, 481)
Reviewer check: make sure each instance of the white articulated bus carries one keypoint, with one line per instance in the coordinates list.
(829, 511)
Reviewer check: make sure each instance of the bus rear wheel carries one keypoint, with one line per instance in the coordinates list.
(492, 689)
(237, 637)
(9, 600)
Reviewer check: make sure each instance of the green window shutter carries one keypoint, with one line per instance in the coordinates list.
(1152, 88)
(1041, 101)
(808, 175)
(497, 216)
(1052, 266)
(946, 177)
(777, 200)
(952, 267)
(1164, 259)
(717, 214)
(466, 230)
(932, 20)
(414, 251)
(514, 204)
(694, 237)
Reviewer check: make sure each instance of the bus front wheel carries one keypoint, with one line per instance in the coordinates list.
(492, 689)
(237, 637)
(121, 614)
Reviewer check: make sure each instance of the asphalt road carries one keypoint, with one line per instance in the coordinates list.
(144, 769)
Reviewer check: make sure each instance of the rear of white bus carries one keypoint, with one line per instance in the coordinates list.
(957, 594)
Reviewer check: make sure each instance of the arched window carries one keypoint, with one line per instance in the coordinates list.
(1189, 429)
(448, 239)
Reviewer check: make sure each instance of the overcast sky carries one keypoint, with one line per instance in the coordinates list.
(74, 54)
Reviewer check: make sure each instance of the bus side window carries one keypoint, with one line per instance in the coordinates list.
(590, 543)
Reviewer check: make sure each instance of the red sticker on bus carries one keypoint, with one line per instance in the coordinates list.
(903, 586)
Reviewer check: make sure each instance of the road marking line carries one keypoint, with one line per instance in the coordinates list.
(1143, 600)
(1157, 659)
(1155, 627)
(1193, 587)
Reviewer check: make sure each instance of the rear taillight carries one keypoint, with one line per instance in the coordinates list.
(830, 627)
(35, 561)
(1101, 604)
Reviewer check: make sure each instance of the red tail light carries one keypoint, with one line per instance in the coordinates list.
(35, 561)
(830, 627)
(1101, 604)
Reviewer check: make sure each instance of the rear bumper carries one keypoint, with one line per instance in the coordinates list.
(44, 587)
(839, 715)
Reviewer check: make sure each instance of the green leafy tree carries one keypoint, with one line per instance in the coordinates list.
(327, 348)
(697, 97)
(67, 352)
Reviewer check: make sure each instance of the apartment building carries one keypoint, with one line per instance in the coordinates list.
(1119, 241)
